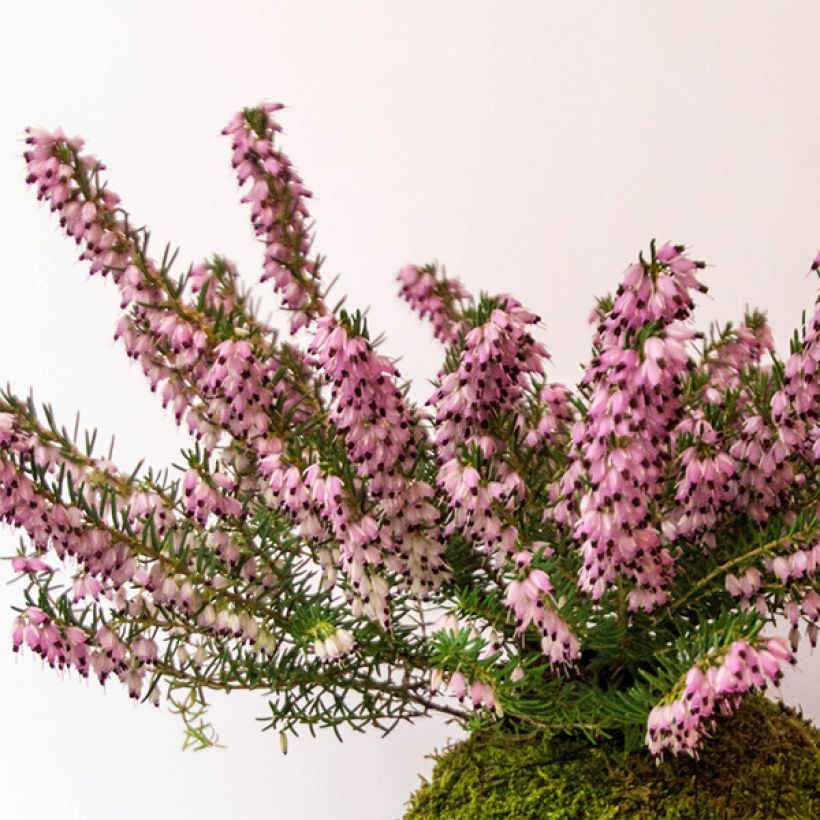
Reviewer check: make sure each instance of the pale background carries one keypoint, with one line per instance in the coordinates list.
(532, 147)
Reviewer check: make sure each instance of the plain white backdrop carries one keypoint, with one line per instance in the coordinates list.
(533, 148)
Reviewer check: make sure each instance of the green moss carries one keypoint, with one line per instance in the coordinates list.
(763, 762)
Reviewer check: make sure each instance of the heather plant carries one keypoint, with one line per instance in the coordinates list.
(611, 559)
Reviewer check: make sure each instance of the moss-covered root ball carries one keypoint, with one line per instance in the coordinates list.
(763, 762)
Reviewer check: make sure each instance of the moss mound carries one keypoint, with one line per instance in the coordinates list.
(763, 762)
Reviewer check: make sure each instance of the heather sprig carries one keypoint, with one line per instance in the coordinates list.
(609, 559)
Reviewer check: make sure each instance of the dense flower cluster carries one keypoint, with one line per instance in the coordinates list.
(118, 569)
(530, 603)
(634, 386)
(498, 357)
(278, 211)
(434, 299)
(796, 408)
(601, 555)
(367, 406)
(212, 385)
(707, 693)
